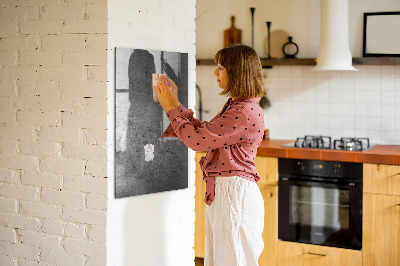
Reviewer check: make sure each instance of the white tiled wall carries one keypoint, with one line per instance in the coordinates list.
(337, 104)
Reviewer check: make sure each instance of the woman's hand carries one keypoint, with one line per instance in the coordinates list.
(164, 94)
(174, 90)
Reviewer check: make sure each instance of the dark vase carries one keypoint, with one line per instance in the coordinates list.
(290, 49)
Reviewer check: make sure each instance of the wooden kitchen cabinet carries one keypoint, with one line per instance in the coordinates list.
(270, 233)
(381, 215)
(381, 179)
(267, 168)
(381, 230)
(200, 207)
(298, 254)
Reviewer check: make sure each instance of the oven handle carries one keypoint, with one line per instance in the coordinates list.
(297, 181)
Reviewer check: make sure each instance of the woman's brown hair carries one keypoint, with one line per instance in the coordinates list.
(245, 78)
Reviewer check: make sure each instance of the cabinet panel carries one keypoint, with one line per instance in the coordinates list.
(267, 168)
(270, 233)
(297, 254)
(381, 230)
(381, 179)
(200, 207)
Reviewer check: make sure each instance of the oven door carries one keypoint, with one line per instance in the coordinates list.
(321, 212)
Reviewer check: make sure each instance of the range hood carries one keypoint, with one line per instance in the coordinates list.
(334, 51)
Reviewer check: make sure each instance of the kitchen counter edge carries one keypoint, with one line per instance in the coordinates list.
(378, 154)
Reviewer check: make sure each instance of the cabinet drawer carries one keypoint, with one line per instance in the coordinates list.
(293, 254)
(381, 179)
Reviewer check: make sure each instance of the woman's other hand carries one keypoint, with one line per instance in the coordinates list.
(174, 90)
(164, 94)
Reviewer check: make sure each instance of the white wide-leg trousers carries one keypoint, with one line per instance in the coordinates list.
(234, 223)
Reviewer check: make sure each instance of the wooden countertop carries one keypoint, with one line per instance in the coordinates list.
(379, 154)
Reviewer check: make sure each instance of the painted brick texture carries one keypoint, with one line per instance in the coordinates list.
(53, 111)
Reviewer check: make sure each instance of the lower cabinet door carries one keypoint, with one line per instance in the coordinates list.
(381, 230)
(200, 207)
(294, 254)
(270, 233)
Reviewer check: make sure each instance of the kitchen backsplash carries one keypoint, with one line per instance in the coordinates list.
(365, 103)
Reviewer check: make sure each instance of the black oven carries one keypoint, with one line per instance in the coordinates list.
(320, 202)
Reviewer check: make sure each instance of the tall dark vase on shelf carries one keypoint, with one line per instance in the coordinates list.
(269, 38)
(252, 9)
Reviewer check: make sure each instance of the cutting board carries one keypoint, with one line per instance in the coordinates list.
(232, 35)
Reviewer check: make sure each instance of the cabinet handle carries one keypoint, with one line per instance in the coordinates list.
(318, 254)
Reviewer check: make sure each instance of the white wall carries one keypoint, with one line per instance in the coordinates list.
(299, 18)
(155, 229)
(338, 104)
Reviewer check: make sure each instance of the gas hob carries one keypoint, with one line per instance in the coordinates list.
(325, 142)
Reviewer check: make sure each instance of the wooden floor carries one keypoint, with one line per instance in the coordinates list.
(199, 262)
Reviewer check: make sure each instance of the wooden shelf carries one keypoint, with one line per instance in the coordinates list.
(288, 62)
(312, 61)
(376, 61)
(268, 62)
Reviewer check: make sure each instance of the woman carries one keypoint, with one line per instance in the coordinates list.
(235, 207)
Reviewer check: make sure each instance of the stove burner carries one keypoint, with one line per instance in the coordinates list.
(351, 144)
(308, 141)
(324, 142)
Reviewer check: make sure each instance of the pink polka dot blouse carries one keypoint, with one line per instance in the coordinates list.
(231, 139)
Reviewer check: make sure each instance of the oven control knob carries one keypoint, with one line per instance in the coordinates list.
(336, 169)
(302, 167)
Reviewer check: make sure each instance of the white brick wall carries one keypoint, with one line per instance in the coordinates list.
(53, 110)
(8, 234)
(61, 258)
(53, 129)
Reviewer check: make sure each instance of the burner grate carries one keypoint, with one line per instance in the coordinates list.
(351, 144)
(324, 142)
(321, 142)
